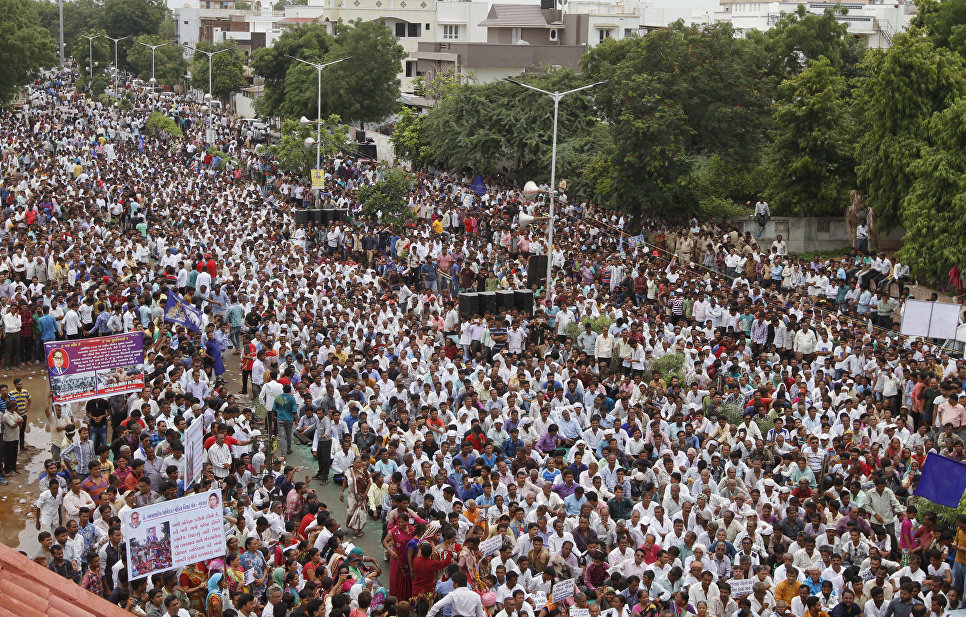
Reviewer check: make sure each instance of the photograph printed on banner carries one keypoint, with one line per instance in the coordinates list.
(150, 546)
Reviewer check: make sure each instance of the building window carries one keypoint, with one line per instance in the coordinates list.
(515, 35)
(400, 30)
(605, 33)
(451, 32)
(410, 68)
(413, 30)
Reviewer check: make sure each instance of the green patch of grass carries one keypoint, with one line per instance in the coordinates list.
(829, 254)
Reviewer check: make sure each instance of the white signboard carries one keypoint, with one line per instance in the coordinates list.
(564, 590)
(930, 319)
(175, 533)
(741, 587)
(491, 546)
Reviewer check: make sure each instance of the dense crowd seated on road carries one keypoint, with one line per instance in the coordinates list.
(692, 425)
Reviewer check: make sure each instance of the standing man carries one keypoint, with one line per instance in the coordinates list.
(285, 410)
(762, 214)
(11, 435)
(248, 359)
(11, 332)
(21, 400)
(322, 441)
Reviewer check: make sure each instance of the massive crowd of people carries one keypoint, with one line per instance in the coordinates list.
(686, 424)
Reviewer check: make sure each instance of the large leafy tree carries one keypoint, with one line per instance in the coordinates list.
(903, 87)
(25, 46)
(99, 49)
(810, 158)
(501, 128)
(131, 18)
(366, 87)
(80, 17)
(310, 42)
(935, 207)
(169, 62)
(676, 94)
(786, 49)
(227, 72)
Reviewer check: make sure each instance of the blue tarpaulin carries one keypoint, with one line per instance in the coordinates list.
(943, 480)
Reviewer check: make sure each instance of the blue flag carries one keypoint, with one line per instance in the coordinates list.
(478, 186)
(176, 310)
(943, 480)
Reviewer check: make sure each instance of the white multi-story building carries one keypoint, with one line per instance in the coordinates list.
(486, 40)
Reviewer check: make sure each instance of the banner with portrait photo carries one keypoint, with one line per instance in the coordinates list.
(97, 367)
(173, 534)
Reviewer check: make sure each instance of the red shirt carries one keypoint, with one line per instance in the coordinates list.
(231, 441)
(306, 521)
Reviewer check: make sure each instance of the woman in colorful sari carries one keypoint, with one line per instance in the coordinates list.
(216, 602)
(192, 580)
(357, 481)
(236, 575)
(469, 560)
(397, 537)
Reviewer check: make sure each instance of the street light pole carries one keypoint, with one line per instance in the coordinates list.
(210, 55)
(60, 12)
(90, 50)
(318, 124)
(153, 49)
(116, 41)
(556, 96)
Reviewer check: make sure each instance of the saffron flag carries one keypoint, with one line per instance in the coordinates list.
(478, 186)
(943, 480)
(176, 310)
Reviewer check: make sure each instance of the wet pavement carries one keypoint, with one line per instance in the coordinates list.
(17, 497)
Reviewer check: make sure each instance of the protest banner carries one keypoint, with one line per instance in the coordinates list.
(563, 590)
(539, 599)
(194, 451)
(579, 612)
(88, 368)
(741, 586)
(491, 546)
(173, 534)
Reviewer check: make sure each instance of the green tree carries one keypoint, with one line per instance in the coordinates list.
(307, 41)
(169, 62)
(408, 140)
(80, 17)
(366, 87)
(25, 46)
(902, 88)
(293, 155)
(159, 124)
(99, 49)
(131, 18)
(936, 204)
(673, 95)
(385, 199)
(810, 159)
(797, 38)
(227, 71)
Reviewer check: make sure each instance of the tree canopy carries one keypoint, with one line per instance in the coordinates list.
(169, 62)
(227, 71)
(25, 46)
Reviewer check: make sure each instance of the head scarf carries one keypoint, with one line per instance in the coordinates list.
(213, 589)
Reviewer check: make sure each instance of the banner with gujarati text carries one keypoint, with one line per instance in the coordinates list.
(88, 368)
(173, 534)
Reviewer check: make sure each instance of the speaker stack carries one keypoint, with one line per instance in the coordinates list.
(505, 301)
(488, 302)
(469, 305)
(536, 270)
(523, 300)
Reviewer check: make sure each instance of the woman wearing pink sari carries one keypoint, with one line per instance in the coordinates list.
(397, 537)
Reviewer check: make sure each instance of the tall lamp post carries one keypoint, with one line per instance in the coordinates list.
(210, 55)
(90, 50)
(318, 124)
(556, 96)
(154, 48)
(60, 15)
(116, 41)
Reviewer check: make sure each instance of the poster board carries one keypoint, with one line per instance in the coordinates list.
(563, 590)
(930, 319)
(82, 369)
(173, 534)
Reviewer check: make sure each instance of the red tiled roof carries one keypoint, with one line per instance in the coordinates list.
(30, 590)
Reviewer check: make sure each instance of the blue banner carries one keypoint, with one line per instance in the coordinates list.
(176, 310)
(943, 480)
(478, 186)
